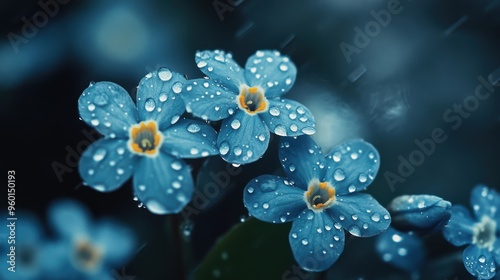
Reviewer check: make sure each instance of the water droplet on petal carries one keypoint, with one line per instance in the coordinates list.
(224, 148)
(149, 104)
(163, 97)
(305, 242)
(155, 207)
(235, 124)
(193, 128)
(142, 187)
(268, 186)
(94, 122)
(280, 130)
(177, 87)
(238, 151)
(250, 190)
(339, 175)
(262, 137)
(265, 205)
(101, 99)
(202, 64)
(176, 165)
(99, 154)
(283, 219)
(309, 130)
(351, 188)
(165, 74)
(362, 177)
(283, 67)
(376, 217)
(291, 168)
(354, 230)
(91, 107)
(274, 111)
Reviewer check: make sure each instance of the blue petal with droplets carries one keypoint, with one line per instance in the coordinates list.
(221, 67)
(420, 212)
(272, 199)
(458, 231)
(108, 108)
(485, 201)
(479, 262)
(242, 138)
(190, 139)
(116, 240)
(158, 97)
(315, 240)
(69, 218)
(271, 71)
(163, 183)
(209, 100)
(402, 250)
(106, 164)
(302, 159)
(360, 214)
(288, 118)
(352, 166)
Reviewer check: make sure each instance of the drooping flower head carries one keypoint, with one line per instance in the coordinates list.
(481, 232)
(248, 101)
(146, 142)
(321, 195)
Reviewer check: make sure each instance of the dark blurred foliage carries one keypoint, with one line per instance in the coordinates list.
(396, 90)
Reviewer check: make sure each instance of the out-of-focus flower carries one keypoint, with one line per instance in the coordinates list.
(419, 212)
(147, 142)
(321, 196)
(87, 249)
(248, 101)
(481, 232)
(402, 250)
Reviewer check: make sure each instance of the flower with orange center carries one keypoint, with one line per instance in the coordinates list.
(86, 256)
(252, 100)
(145, 139)
(319, 195)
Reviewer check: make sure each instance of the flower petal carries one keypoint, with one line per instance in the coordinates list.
(242, 138)
(106, 164)
(485, 201)
(163, 183)
(302, 159)
(271, 71)
(221, 67)
(496, 252)
(352, 166)
(158, 97)
(108, 108)
(286, 117)
(316, 243)
(403, 250)
(69, 218)
(420, 212)
(459, 231)
(360, 214)
(479, 262)
(208, 100)
(117, 241)
(190, 139)
(271, 198)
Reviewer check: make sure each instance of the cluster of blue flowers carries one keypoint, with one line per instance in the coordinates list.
(80, 248)
(321, 194)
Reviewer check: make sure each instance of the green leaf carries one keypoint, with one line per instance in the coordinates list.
(250, 250)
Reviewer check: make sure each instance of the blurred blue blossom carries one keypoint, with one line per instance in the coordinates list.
(419, 212)
(248, 101)
(86, 249)
(402, 250)
(482, 232)
(321, 195)
(147, 141)
(29, 257)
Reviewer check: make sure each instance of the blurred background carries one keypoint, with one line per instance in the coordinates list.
(388, 71)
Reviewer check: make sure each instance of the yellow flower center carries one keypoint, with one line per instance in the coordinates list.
(319, 195)
(86, 256)
(145, 139)
(252, 100)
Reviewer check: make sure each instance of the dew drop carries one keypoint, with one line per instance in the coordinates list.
(305, 242)
(224, 148)
(291, 168)
(238, 151)
(91, 107)
(201, 64)
(163, 97)
(280, 130)
(176, 165)
(149, 104)
(352, 188)
(309, 130)
(265, 205)
(354, 230)
(250, 190)
(165, 74)
(193, 128)
(99, 154)
(94, 122)
(339, 175)
(362, 178)
(177, 87)
(155, 207)
(283, 67)
(375, 217)
(101, 99)
(274, 111)
(235, 124)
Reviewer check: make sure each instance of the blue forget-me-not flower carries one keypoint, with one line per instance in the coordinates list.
(87, 249)
(481, 232)
(248, 101)
(321, 195)
(147, 141)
